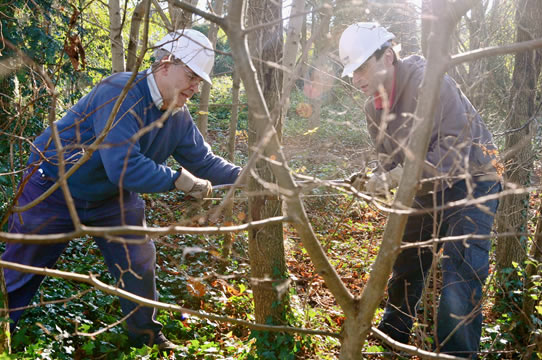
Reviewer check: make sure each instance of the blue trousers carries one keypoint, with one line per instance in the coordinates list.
(464, 264)
(123, 261)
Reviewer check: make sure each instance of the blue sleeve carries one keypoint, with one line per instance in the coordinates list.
(194, 154)
(120, 152)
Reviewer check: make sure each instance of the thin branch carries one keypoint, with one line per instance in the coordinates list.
(469, 237)
(494, 51)
(162, 15)
(108, 327)
(134, 230)
(56, 137)
(113, 290)
(527, 123)
(278, 21)
(412, 350)
(219, 20)
(51, 302)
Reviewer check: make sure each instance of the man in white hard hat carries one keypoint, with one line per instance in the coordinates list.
(459, 165)
(152, 124)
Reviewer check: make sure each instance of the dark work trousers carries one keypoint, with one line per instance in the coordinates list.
(132, 265)
(464, 265)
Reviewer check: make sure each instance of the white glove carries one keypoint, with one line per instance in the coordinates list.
(193, 186)
(358, 180)
(381, 184)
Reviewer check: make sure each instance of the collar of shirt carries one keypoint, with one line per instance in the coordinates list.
(155, 93)
(378, 99)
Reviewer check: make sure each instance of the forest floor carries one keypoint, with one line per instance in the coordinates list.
(192, 272)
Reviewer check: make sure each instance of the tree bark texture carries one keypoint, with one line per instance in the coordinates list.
(477, 36)
(235, 92)
(203, 113)
(291, 48)
(228, 212)
(133, 42)
(115, 30)
(5, 345)
(513, 212)
(427, 20)
(180, 19)
(320, 67)
(534, 268)
(266, 245)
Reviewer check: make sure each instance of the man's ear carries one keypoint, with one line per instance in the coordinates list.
(389, 55)
(165, 63)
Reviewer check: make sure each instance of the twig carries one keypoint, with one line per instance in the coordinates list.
(110, 326)
(112, 290)
(493, 51)
(134, 230)
(412, 350)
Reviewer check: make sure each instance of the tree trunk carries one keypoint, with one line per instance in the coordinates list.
(291, 47)
(162, 15)
(180, 19)
(137, 17)
(235, 90)
(303, 40)
(477, 68)
(228, 212)
(535, 255)
(115, 29)
(320, 70)
(133, 41)
(4, 316)
(266, 246)
(513, 215)
(203, 113)
(427, 14)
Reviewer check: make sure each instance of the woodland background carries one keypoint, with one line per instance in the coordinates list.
(305, 278)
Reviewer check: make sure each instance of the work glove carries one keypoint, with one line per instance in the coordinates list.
(358, 180)
(381, 184)
(193, 186)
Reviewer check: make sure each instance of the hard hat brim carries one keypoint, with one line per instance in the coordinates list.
(202, 74)
(351, 67)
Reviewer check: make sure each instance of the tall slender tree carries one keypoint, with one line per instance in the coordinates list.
(513, 214)
(180, 19)
(320, 68)
(266, 246)
(115, 31)
(137, 17)
(205, 95)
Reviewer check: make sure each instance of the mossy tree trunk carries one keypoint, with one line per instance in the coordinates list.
(513, 212)
(266, 245)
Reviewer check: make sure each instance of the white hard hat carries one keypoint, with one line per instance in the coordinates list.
(192, 48)
(358, 42)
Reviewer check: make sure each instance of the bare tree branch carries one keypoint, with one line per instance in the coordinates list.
(113, 290)
(409, 349)
(134, 230)
(219, 20)
(494, 51)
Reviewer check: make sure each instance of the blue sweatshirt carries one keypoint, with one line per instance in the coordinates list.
(138, 162)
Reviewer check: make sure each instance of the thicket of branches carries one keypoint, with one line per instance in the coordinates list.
(53, 51)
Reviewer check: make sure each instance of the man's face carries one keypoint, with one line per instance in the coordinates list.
(179, 83)
(374, 73)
